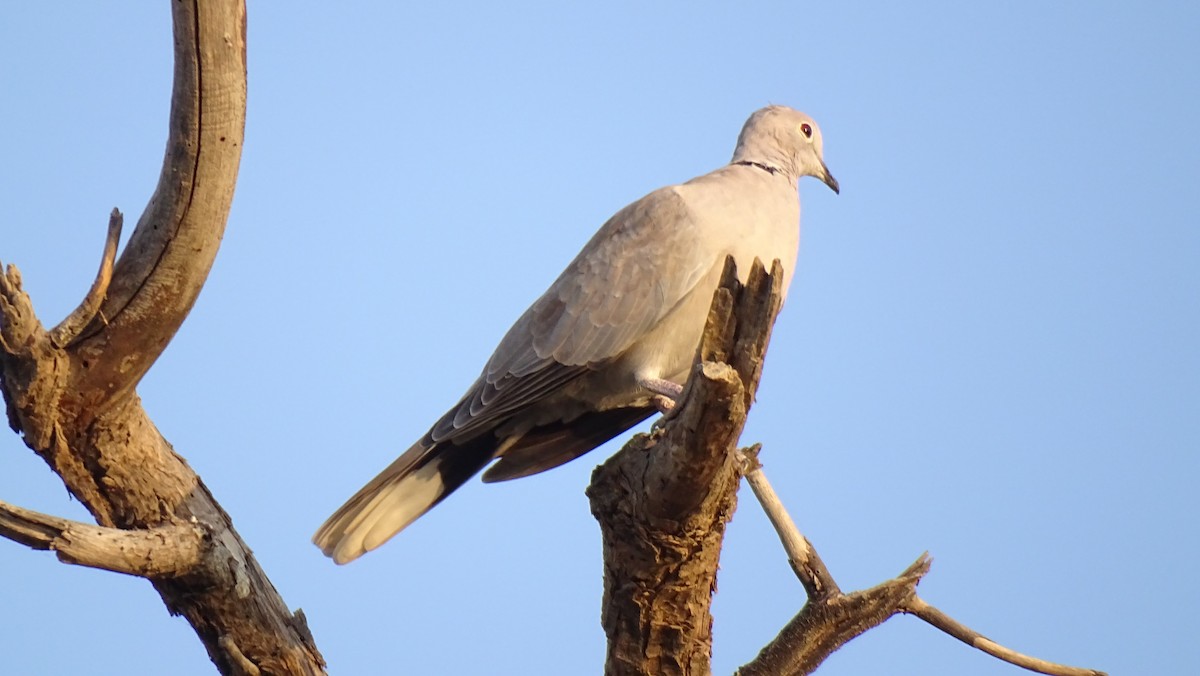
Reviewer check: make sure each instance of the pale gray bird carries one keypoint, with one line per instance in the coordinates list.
(613, 335)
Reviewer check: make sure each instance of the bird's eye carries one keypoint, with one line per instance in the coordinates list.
(806, 128)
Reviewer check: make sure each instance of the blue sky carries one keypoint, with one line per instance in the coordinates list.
(989, 350)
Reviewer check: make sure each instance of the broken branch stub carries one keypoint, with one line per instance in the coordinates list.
(663, 500)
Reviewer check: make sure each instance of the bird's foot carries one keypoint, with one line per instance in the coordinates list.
(666, 393)
(666, 388)
(664, 404)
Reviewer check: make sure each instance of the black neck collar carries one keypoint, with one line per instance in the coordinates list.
(759, 165)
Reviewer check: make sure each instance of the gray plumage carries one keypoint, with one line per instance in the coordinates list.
(586, 360)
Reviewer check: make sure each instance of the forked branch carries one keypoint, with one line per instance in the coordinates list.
(70, 392)
(831, 618)
(663, 503)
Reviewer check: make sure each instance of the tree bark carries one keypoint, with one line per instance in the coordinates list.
(663, 501)
(70, 391)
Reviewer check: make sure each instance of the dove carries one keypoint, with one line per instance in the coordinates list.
(611, 341)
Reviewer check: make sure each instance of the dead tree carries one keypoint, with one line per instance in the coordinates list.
(71, 390)
(663, 501)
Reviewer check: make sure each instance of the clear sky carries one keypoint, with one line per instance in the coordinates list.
(990, 350)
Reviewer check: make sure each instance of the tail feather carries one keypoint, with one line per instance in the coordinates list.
(412, 485)
(429, 471)
(552, 445)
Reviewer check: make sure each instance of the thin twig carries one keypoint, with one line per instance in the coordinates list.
(805, 561)
(917, 606)
(68, 329)
(820, 586)
(156, 553)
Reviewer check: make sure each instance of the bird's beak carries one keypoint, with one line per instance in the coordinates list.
(828, 179)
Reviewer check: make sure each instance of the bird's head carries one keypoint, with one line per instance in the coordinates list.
(784, 140)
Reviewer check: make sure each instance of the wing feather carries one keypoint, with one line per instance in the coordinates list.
(636, 268)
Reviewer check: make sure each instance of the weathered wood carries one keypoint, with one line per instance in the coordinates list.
(71, 392)
(664, 500)
(663, 503)
(822, 626)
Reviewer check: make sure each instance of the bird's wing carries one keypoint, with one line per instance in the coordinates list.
(640, 264)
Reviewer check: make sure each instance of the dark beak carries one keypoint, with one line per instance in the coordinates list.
(828, 179)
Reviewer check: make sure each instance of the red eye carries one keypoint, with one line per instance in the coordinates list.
(806, 129)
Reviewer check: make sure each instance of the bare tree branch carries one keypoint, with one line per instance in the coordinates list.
(916, 606)
(831, 618)
(821, 627)
(68, 330)
(170, 550)
(663, 503)
(803, 558)
(70, 392)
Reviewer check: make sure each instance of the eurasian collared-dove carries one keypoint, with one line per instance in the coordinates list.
(614, 333)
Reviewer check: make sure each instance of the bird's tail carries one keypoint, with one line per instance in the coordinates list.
(419, 479)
